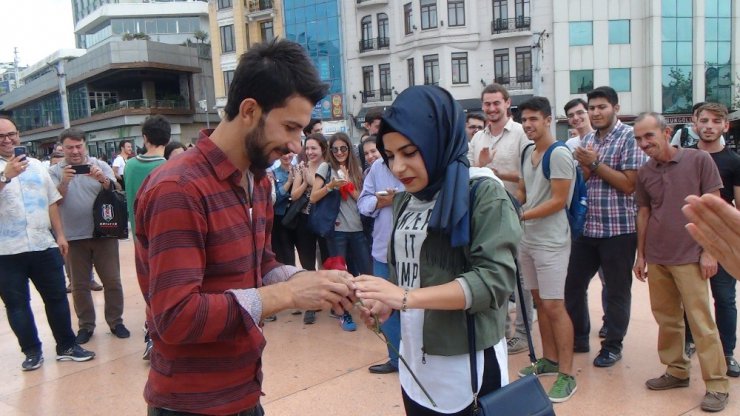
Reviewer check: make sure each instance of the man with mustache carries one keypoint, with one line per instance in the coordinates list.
(203, 243)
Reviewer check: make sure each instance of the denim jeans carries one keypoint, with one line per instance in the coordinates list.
(616, 256)
(46, 270)
(353, 247)
(392, 327)
(725, 310)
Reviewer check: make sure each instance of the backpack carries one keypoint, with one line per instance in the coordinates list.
(577, 207)
(110, 215)
(323, 214)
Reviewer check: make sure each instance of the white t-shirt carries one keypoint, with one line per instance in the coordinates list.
(508, 147)
(119, 165)
(446, 378)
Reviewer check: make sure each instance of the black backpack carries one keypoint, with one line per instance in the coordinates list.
(110, 214)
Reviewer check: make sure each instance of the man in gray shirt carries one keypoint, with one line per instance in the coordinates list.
(79, 191)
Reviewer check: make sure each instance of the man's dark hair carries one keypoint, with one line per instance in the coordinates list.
(157, 130)
(173, 146)
(494, 88)
(476, 116)
(372, 115)
(10, 120)
(540, 104)
(310, 125)
(272, 72)
(122, 144)
(574, 103)
(72, 133)
(695, 108)
(604, 92)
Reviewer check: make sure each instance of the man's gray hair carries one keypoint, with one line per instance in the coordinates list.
(654, 115)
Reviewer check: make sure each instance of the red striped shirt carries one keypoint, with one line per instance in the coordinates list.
(194, 241)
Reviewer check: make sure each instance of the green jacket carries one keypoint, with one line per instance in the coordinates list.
(487, 265)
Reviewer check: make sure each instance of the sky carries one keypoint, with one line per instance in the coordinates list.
(37, 28)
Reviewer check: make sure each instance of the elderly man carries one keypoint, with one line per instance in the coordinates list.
(28, 251)
(79, 191)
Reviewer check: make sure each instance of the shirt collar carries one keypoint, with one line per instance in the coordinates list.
(507, 127)
(221, 165)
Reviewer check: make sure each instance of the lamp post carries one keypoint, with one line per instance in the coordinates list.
(62, 85)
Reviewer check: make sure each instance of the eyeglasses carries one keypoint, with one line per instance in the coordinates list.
(474, 127)
(576, 113)
(10, 135)
(340, 149)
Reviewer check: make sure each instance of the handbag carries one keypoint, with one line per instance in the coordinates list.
(524, 396)
(290, 219)
(324, 212)
(110, 214)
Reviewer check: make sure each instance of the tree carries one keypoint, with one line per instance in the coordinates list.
(135, 36)
(200, 36)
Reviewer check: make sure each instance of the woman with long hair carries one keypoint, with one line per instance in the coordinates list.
(448, 260)
(342, 173)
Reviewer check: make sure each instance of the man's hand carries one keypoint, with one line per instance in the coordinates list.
(640, 269)
(485, 157)
(585, 156)
(67, 174)
(321, 290)
(708, 265)
(97, 173)
(63, 245)
(15, 166)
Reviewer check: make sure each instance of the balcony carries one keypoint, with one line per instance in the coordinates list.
(517, 24)
(521, 82)
(374, 44)
(372, 96)
(143, 104)
(363, 3)
(260, 9)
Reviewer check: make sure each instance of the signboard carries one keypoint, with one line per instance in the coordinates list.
(678, 118)
(330, 107)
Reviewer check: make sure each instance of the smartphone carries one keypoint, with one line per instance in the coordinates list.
(20, 150)
(81, 169)
(382, 193)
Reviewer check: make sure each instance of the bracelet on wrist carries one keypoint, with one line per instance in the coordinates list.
(404, 305)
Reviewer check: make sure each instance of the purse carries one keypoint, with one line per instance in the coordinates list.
(524, 396)
(290, 219)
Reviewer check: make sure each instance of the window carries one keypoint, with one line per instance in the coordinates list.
(408, 18)
(620, 79)
(428, 14)
(619, 32)
(718, 79)
(677, 55)
(521, 13)
(581, 81)
(227, 38)
(431, 69)
(228, 77)
(410, 71)
(500, 10)
(224, 4)
(367, 82)
(581, 33)
(267, 31)
(523, 64)
(383, 35)
(384, 72)
(366, 28)
(459, 67)
(501, 66)
(455, 12)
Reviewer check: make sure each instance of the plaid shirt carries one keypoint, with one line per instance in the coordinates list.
(610, 211)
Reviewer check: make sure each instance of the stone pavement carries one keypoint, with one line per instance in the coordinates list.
(320, 370)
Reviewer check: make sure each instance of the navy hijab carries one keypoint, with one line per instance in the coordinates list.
(434, 122)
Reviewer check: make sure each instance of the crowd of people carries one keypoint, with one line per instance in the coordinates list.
(434, 214)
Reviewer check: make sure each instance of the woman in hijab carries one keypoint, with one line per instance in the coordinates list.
(447, 259)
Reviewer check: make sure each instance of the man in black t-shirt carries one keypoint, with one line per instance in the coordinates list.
(711, 124)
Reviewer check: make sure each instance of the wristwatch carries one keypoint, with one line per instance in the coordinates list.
(595, 165)
(3, 178)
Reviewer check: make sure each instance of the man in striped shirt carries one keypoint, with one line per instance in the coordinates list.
(203, 245)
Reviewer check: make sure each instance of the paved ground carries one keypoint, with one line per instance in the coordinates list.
(319, 369)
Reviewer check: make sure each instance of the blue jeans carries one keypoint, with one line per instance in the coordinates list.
(353, 247)
(725, 310)
(392, 327)
(46, 270)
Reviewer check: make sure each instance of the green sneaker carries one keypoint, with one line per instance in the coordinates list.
(563, 388)
(542, 367)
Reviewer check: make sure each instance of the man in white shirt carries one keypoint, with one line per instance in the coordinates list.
(577, 113)
(125, 151)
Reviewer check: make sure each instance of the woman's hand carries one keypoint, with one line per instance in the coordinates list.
(370, 309)
(379, 289)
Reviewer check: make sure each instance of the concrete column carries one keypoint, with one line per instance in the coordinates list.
(148, 91)
(699, 68)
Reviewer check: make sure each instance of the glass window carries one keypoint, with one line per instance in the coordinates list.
(227, 38)
(150, 26)
(366, 26)
(620, 79)
(581, 33)
(684, 8)
(431, 69)
(459, 67)
(228, 77)
(410, 71)
(428, 14)
(455, 12)
(677, 89)
(501, 66)
(224, 4)
(581, 81)
(383, 33)
(384, 72)
(367, 82)
(619, 32)
(521, 13)
(523, 64)
(267, 31)
(408, 18)
(500, 10)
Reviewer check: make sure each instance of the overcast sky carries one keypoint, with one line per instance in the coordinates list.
(36, 27)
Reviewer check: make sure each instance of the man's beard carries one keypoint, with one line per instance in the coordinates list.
(256, 146)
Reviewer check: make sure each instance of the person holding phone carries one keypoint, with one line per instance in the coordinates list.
(342, 174)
